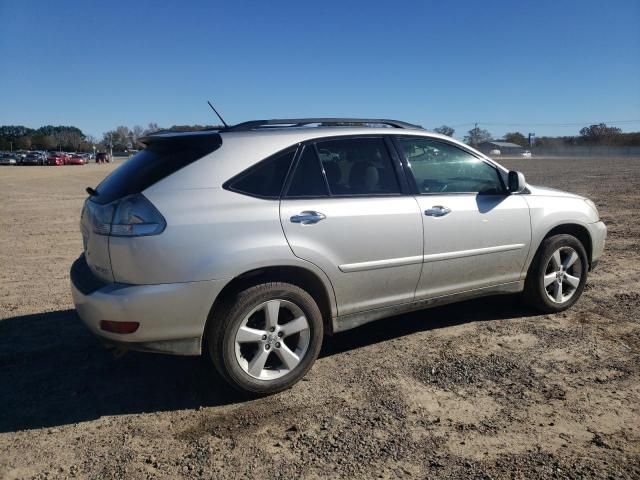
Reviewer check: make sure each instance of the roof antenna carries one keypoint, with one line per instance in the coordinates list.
(216, 112)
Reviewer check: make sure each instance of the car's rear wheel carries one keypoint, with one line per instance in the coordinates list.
(264, 339)
(557, 275)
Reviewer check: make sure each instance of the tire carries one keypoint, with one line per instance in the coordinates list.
(241, 333)
(565, 285)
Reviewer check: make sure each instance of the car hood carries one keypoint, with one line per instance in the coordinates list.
(550, 192)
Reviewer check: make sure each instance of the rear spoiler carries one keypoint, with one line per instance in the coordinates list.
(205, 139)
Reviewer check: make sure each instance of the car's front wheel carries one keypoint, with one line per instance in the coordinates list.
(265, 338)
(558, 274)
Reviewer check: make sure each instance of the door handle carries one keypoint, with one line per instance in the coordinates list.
(437, 211)
(308, 217)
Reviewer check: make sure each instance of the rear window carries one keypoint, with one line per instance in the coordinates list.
(160, 159)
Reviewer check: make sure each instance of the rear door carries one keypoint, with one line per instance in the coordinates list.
(476, 235)
(344, 210)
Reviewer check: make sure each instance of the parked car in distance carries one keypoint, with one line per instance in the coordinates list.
(526, 154)
(495, 152)
(8, 159)
(56, 158)
(75, 160)
(102, 157)
(252, 242)
(33, 158)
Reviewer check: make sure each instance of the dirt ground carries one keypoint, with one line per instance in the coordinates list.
(484, 389)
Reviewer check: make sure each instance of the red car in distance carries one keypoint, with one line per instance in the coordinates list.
(57, 158)
(75, 160)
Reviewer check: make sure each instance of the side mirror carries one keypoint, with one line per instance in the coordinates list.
(516, 182)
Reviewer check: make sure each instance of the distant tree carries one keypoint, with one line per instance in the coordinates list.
(125, 135)
(23, 143)
(137, 132)
(517, 138)
(599, 133)
(43, 142)
(152, 127)
(445, 130)
(118, 139)
(13, 132)
(477, 135)
(48, 142)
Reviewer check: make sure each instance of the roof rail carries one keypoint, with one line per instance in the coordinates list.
(301, 122)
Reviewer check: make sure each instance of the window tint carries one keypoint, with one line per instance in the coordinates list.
(358, 166)
(307, 180)
(266, 178)
(160, 159)
(439, 167)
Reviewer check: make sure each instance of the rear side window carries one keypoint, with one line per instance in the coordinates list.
(358, 166)
(307, 180)
(265, 179)
(160, 159)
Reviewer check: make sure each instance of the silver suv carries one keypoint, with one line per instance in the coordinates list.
(254, 241)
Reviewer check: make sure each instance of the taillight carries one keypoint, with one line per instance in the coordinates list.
(131, 216)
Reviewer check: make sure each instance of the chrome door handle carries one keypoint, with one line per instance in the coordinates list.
(437, 211)
(308, 217)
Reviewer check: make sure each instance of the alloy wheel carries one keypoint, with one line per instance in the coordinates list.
(563, 273)
(272, 339)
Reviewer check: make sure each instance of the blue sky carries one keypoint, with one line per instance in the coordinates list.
(97, 65)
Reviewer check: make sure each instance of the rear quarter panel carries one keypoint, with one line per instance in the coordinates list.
(210, 234)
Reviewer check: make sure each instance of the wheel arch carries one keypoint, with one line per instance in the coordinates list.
(305, 278)
(574, 229)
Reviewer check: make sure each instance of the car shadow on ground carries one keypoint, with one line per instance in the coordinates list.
(54, 372)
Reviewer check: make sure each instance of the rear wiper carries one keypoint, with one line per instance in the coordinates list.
(91, 192)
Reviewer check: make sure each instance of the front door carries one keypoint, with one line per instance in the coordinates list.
(476, 235)
(343, 210)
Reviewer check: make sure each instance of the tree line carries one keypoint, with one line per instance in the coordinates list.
(123, 138)
(72, 139)
(49, 137)
(597, 134)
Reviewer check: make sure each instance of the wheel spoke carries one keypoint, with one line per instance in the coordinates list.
(549, 279)
(289, 358)
(268, 342)
(271, 313)
(249, 335)
(556, 260)
(294, 326)
(571, 280)
(557, 292)
(570, 260)
(257, 362)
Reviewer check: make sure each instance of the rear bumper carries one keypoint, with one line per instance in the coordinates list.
(598, 232)
(172, 316)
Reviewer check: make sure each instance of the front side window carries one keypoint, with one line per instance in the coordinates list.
(358, 166)
(440, 167)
